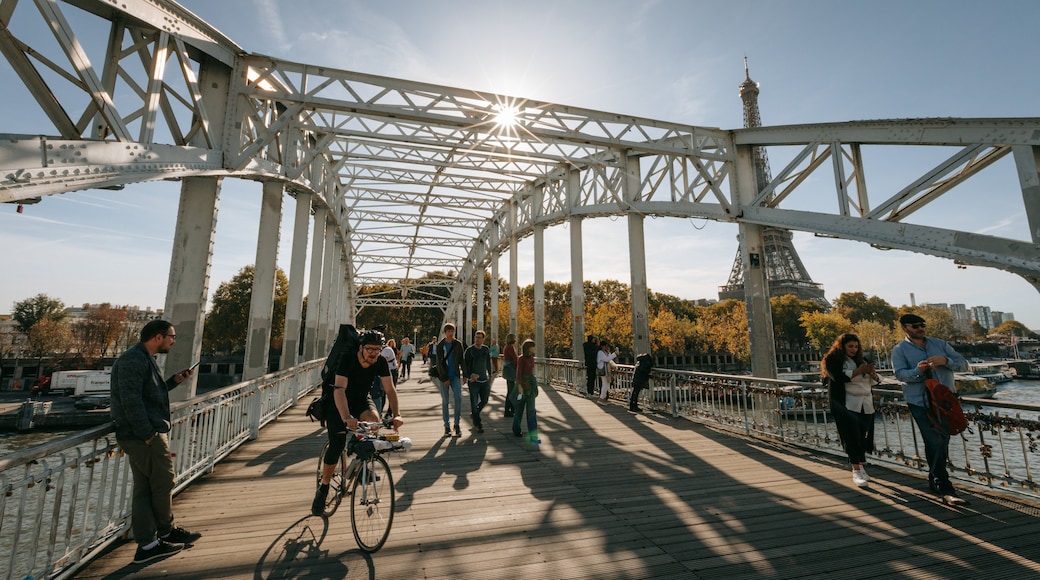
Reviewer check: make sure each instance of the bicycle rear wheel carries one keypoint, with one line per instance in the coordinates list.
(372, 504)
(337, 485)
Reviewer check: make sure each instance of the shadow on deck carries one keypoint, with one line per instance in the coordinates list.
(609, 494)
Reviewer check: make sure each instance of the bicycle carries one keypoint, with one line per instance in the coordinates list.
(367, 480)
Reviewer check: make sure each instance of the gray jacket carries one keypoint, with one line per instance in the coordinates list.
(140, 398)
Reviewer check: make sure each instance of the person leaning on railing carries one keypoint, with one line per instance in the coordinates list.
(914, 360)
(140, 410)
(849, 379)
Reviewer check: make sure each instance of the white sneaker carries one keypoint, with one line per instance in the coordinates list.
(863, 470)
(859, 477)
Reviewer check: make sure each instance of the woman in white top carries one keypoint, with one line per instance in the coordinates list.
(390, 354)
(603, 360)
(849, 379)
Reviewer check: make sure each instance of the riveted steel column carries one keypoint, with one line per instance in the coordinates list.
(1027, 161)
(480, 301)
(756, 285)
(493, 330)
(577, 268)
(294, 301)
(637, 261)
(261, 305)
(514, 296)
(539, 290)
(310, 334)
(188, 286)
(327, 295)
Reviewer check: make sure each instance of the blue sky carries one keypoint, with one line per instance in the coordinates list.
(681, 61)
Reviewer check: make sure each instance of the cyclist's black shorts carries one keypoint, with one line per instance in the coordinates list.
(338, 430)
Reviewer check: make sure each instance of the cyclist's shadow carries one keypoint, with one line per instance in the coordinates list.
(298, 553)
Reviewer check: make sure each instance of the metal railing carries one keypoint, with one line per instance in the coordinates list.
(997, 452)
(64, 501)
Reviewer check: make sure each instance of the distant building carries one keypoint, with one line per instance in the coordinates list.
(961, 317)
(981, 314)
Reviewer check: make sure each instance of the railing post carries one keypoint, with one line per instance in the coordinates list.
(255, 411)
(673, 396)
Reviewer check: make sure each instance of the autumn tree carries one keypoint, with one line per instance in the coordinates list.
(823, 327)
(724, 328)
(670, 335)
(877, 337)
(787, 325)
(939, 320)
(1012, 328)
(99, 331)
(856, 306)
(227, 322)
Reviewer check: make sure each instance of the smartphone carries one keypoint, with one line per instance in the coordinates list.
(192, 367)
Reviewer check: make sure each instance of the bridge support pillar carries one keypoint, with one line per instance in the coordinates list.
(514, 296)
(188, 286)
(637, 263)
(261, 305)
(756, 284)
(328, 270)
(294, 301)
(577, 269)
(493, 328)
(310, 333)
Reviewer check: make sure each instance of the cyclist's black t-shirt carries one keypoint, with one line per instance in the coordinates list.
(360, 379)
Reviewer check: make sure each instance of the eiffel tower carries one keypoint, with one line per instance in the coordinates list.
(784, 269)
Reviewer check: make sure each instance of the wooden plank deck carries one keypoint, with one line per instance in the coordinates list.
(608, 495)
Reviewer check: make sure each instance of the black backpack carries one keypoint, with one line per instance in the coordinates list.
(347, 341)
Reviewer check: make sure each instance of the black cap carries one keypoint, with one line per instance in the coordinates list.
(910, 319)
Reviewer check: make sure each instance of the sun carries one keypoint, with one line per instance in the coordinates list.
(507, 116)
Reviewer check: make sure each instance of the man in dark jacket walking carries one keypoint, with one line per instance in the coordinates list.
(141, 413)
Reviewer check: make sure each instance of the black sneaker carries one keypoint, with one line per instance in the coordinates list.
(318, 505)
(160, 550)
(458, 431)
(447, 431)
(478, 429)
(180, 536)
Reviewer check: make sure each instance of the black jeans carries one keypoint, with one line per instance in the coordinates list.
(479, 392)
(936, 450)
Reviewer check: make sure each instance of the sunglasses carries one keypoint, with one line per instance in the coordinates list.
(916, 325)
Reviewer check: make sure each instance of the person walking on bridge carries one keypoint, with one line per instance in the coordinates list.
(914, 360)
(476, 366)
(141, 414)
(449, 353)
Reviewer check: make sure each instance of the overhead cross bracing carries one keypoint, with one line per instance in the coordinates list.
(422, 178)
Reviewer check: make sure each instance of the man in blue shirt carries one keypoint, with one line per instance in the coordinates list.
(915, 359)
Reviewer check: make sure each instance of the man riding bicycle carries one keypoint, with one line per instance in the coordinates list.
(354, 376)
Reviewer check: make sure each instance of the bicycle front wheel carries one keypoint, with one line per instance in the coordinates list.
(338, 483)
(372, 504)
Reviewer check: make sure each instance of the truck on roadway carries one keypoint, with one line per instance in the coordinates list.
(82, 383)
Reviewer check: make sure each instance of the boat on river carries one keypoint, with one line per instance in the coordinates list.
(995, 372)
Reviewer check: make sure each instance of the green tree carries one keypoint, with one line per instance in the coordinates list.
(787, 326)
(227, 322)
(823, 327)
(856, 306)
(32, 310)
(49, 337)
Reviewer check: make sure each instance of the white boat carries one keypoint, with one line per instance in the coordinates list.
(995, 372)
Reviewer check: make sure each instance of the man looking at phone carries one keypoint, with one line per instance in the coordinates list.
(141, 413)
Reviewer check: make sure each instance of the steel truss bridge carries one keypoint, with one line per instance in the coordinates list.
(402, 180)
